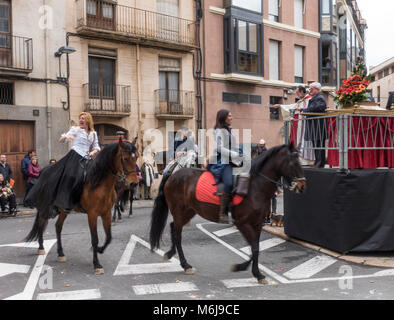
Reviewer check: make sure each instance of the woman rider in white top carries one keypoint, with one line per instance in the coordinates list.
(60, 185)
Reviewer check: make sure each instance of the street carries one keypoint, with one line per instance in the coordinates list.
(133, 272)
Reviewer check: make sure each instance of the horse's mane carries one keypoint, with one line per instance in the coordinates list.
(103, 164)
(259, 162)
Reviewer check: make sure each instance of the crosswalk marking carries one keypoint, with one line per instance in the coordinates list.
(8, 268)
(71, 295)
(264, 245)
(164, 288)
(310, 267)
(225, 232)
(245, 283)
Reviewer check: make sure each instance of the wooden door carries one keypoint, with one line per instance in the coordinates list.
(17, 138)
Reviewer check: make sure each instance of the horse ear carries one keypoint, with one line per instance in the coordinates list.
(291, 145)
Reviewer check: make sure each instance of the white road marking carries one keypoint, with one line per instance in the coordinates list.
(244, 283)
(28, 292)
(33, 244)
(310, 267)
(264, 245)
(266, 270)
(8, 268)
(164, 288)
(124, 268)
(71, 295)
(225, 232)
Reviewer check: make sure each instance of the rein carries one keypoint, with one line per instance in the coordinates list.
(293, 185)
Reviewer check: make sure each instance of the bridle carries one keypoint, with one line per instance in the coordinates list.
(291, 187)
(122, 176)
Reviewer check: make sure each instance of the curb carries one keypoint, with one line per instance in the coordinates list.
(383, 262)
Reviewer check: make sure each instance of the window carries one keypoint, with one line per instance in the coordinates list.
(380, 75)
(252, 5)
(298, 64)
(100, 14)
(241, 98)
(274, 113)
(329, 63)
(6, 93)
(386, 72)
(5, 34)
(273, 10)
(101, 78)
(169, 70)
(299, 13)
(378, 100)
(328, 19)
(274, 60)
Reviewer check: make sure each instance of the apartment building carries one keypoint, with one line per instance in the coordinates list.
(133, 66)
(382, 83)
(33, 93)
(342, 41)
(255, 53)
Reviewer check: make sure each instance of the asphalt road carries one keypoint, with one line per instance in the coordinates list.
(133, 272)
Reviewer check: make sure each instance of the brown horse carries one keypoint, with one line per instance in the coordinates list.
(177, 194)
(116, 162)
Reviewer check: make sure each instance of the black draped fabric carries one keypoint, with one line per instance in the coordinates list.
(343, 212)
(59, 185)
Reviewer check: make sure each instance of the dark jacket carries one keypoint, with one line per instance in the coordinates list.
(390, 101)
(6, 171)
(25, 162)
(316, 130)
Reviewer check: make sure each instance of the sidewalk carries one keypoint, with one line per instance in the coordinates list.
(376, 259)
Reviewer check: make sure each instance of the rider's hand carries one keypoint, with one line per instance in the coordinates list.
(93, 153)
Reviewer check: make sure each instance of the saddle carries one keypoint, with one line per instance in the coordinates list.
(207, 190)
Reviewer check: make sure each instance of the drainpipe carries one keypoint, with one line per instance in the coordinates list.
(48, 92)
(138, 71)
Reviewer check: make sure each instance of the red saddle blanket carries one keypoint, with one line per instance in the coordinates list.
(206, 187)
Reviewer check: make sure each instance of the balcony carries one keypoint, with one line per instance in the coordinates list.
(107, 100)
(109, 20)
(16, 56)
(174, 104)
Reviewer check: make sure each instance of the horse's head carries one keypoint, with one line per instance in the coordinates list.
(127, 165)
(291, 169)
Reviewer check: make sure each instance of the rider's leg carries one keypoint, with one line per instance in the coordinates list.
(226, 197)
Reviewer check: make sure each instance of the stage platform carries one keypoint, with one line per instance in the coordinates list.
(345, 212)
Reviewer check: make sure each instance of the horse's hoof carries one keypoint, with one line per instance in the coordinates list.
(130, 216)
(189, 271)
(98, 271)
(61, 259)
(165, 257)
(120, 220)
(234, 268)
(263, 281)
(41, 252)
(113, 223)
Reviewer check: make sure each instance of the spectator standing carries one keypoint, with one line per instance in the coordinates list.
(34, 172)
(390, 101)
(25, 162)
(316, 129)
(261, 147)
(52, 161)
(5, 168)
(147, 178)
(7, 196)
(137, 187)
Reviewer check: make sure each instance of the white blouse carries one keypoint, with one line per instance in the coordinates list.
(82, 142)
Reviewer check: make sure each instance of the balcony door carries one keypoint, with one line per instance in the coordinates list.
(102, 88)
(167, 20)
(100, 14)
(5, 34)
(169, 98)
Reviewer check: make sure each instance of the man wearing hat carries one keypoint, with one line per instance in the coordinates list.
(316, 129)
(261, 147)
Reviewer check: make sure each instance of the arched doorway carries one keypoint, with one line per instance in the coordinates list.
(107, 133)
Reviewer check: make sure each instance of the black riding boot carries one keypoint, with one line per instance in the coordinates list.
(225, 200)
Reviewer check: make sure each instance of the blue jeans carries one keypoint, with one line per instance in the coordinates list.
(227, 179)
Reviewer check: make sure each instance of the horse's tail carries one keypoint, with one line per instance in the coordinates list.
(159, 215)
(34, 233)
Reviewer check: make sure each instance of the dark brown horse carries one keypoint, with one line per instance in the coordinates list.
(116, 162)
(177, 194)
(124, 193)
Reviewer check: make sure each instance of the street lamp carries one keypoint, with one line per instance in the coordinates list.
(64, 49)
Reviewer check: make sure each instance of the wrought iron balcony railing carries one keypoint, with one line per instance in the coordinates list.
(107, 100)
(112, 20)
(16, 54)
(174, 104)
